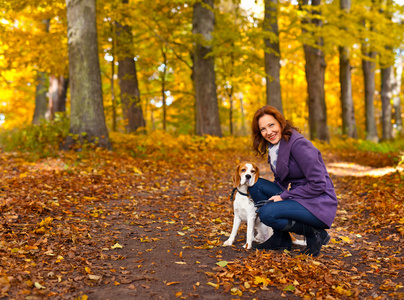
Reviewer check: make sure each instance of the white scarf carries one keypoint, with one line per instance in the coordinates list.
(273, 154)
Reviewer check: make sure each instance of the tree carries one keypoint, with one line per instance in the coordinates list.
(386, 95)
(57, 94)
(347, 105)
(41, 101)
(207, 110)
(396, 94)
(87, 120)
(272, 55)
(315, 71)
(368, 68)
(128, 83)
(387, 81)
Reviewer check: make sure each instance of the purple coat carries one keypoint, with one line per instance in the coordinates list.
(300, 164)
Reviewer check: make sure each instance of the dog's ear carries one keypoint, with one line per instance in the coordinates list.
(236, 177)
(257, 172)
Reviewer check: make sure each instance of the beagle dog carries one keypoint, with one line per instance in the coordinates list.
(247, 175)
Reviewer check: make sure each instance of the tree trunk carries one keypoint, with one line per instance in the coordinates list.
(163, 89)
(87, 120)
(130, 95)
(243, 126)
(113, 98)
(386, 95)
(368, 67)
(207, 108)
(230, 92)
(347, 105)
(315, 71)
(272, 55)
(387, 82)
(57, 95)
(41, 101)
(396, 96)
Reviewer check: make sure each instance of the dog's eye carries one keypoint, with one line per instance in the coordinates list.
(252, 171)
(243, 170)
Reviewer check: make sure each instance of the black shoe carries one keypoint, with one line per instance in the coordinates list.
(314, 243)
(278, 241)
(315, 238)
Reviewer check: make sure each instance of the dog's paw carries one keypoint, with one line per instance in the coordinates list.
(247, 246)
(229, 242)
(260, 238)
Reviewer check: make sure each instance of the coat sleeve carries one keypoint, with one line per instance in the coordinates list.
(308, 158)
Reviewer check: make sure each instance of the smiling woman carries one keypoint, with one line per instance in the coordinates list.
(304, 201)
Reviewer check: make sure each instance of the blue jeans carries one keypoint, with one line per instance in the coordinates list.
(263, 190)
(277, 214)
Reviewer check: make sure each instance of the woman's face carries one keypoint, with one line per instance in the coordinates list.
(270, 129)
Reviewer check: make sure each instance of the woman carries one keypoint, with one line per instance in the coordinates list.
(302, 197)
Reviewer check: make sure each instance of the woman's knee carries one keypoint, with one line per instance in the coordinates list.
(266, 215)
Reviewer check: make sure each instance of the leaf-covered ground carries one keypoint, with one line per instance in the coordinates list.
(148, 220)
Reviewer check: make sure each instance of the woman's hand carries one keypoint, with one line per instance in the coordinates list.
(275, 198)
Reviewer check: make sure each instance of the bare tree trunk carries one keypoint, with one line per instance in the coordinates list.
(387, 82)
(347, 105)
(57, 95)
(113, 99)
(207, 108)
(130, 94)
(368, 68)
(230, 92)
(315, 71)
(87, 120)
(272, 55)
(396, 96)
(163, 89)
(386, 95)
(243, 126)
(41, 100)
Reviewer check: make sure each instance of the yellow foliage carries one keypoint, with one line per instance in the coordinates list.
(46, 222)
(265, 281)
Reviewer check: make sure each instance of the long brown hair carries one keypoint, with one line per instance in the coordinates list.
(259, 143)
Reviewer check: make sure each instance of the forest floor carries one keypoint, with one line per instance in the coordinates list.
(109, 225)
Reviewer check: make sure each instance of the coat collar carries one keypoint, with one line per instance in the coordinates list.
(282, 164)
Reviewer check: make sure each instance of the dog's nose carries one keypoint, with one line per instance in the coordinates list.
(248, 176)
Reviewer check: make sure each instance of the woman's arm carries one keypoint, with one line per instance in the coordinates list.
(308, 158)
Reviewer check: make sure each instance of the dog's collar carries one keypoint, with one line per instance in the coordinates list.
(241, 193)
(244, 194)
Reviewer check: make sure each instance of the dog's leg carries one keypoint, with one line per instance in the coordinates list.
(236, 225)
(250, 231)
